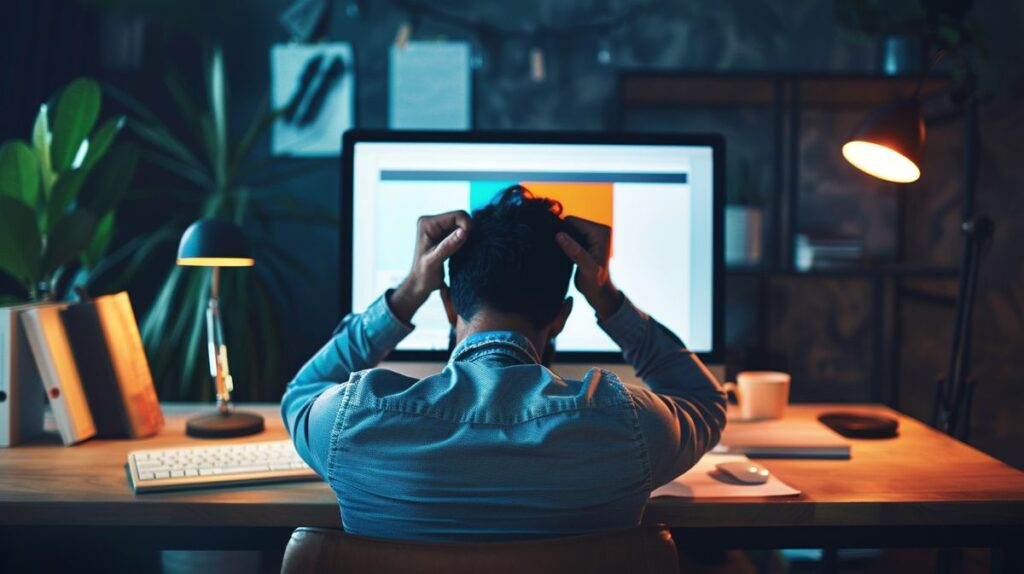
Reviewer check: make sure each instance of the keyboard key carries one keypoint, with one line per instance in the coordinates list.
(246, 469)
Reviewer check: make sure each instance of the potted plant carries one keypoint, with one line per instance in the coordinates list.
(58, 193)
(744, 217)
(212, 171)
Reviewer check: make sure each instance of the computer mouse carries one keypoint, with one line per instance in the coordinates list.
(745, 472)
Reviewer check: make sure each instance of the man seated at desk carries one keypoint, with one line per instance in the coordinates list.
(496, 446)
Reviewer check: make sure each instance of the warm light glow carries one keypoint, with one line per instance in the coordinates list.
(216, 261)
(881, 162)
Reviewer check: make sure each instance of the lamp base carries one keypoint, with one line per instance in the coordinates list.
(227, 425)
(858, 425)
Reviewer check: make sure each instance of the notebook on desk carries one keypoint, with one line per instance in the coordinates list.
(782, 438)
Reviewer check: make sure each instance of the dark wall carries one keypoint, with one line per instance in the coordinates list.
(819, 330)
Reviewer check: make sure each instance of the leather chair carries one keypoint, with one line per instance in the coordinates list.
(641, 550)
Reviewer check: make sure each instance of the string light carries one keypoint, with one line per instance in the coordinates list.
(403, 34)
(603, 28)
(604, 52)
(352, 9)
(537, 72)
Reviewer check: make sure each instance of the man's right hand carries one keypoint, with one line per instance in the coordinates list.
(437, 238)
(592, 276)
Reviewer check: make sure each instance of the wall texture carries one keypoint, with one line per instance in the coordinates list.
(820, 330)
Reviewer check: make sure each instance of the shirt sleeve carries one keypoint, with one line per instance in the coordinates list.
(682, 410)
(311, 401)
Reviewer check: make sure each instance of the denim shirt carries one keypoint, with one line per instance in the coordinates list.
(496, 446)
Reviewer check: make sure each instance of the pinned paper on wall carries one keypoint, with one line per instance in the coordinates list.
(430, 86)
(313, 85)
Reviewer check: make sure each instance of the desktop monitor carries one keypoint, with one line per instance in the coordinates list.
(661, 194)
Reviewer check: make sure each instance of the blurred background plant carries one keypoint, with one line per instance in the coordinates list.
(209, 171)
(58, 194)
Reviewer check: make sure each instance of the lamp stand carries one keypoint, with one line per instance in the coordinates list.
(954, 393)
(226, 422)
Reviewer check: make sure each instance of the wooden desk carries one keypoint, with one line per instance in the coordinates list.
(920, 489)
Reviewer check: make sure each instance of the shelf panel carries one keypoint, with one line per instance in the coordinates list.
(815, 90)
(904, 271)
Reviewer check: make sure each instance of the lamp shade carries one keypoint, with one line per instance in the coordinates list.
(889, 143)
(214, 243)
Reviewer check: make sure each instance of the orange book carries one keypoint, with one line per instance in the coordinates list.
(112, 363)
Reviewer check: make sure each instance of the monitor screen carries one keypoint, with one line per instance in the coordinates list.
(659, 200)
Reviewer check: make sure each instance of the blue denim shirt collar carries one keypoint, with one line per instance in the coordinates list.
(489, 343)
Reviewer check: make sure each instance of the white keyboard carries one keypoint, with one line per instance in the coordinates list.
(219, 465)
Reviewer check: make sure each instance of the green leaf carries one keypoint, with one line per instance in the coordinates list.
(100, 141)
(262, 122)
(100, 241)
(218, 108)
(77, 110)
(109, 181)
(162, 139)
(138, 253)
(41, 143)
(20, 241)
(65, 190)
(19, 172)
(71, 235)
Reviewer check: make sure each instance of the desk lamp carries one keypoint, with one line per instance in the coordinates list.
(216, 243)
(888, 145)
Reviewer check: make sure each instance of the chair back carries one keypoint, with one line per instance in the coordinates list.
(640, 550)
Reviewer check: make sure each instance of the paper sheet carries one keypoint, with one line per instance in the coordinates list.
(324, 108)
(704, 481)
(430, 86)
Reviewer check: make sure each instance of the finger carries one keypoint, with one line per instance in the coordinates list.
(597, 234)
(588, 227)
(448, 246)
(573, 250)
(437, 227)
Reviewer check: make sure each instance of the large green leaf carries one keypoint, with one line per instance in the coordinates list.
(109, 181)
(77, 111)
(71, 235)
(100, 141)
(19, 172)
(20, 241)
(41, 144)
(100, 241)
(65, 190)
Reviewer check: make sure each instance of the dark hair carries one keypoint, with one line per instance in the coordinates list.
(510, 261)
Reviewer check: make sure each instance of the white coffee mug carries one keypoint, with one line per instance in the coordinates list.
(761, 394)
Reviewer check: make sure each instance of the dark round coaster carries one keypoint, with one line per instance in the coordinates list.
(229, 425)
(854, 425)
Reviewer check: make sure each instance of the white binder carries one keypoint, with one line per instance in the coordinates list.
(49, 342)
(21, 393)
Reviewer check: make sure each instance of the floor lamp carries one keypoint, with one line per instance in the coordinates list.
(889, 144)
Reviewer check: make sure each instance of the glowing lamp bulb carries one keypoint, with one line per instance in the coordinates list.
(881, 162)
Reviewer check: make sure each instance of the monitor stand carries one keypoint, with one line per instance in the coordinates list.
(575, 371)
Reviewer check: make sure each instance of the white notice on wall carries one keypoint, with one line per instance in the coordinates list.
(313, 85)
(430, 86)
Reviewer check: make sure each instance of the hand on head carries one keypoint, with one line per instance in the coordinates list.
(437, 238)
(593, 279)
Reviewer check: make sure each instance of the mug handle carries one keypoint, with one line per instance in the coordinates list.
(734, 389)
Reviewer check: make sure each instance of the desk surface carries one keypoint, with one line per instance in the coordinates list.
(921, 478)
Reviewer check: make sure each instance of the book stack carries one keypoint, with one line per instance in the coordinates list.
(92, 366)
